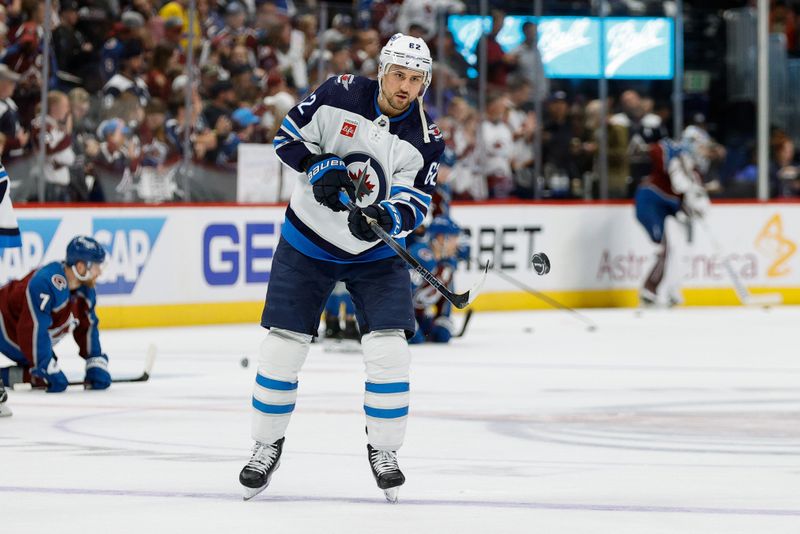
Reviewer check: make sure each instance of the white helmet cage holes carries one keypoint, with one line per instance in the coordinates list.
(408, 52)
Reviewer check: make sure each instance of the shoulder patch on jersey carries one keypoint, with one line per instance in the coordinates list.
(345, 80)
(434, 131)
(59, 282)
(426, 254)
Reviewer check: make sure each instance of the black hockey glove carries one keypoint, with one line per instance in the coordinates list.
(327, 174)
(359, 226)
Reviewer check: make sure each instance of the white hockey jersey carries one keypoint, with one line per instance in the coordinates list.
(342, 117)
(9, 231)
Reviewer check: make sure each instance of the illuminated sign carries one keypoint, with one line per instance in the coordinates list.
(580, 47)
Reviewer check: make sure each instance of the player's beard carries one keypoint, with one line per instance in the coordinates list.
(90, 283)
(394, 104)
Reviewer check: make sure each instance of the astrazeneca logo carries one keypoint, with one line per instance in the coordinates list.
(129, 243)
(773, 243)
(37, 234)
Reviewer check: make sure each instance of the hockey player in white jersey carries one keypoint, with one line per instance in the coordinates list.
(9, 238)
(372, 140)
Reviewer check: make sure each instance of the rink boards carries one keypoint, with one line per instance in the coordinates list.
(204, 264)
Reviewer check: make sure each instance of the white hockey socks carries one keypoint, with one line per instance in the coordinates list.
(387, 361)
(281, 357)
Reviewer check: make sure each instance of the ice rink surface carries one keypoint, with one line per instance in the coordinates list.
(683, 421)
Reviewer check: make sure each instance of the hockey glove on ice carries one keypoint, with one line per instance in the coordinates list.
(97, 376)
(359, 226)
(327, 174)
(53, 377)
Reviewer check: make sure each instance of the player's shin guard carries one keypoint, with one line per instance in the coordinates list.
(281, 357)
(387, 360)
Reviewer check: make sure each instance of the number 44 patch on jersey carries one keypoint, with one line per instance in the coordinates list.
(349, 128)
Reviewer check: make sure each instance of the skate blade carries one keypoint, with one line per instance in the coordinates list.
(392, 494)
(249, 493)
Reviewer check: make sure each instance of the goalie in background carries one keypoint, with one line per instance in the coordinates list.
(439, 253)
(46, 305)
(340, 316)
(667, 201)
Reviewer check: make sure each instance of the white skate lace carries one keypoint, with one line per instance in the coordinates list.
(263, 456)
(384, 461)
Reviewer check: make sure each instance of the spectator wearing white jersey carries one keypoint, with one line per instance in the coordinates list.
(59, 155)
(498, 142)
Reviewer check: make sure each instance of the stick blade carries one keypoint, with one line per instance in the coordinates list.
(763, 299)
(149, 361)
(472, 294)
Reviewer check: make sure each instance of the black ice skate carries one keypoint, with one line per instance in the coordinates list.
(332, 328)
(257, 473)
(351, 331)
(5, 411)
(386, 471)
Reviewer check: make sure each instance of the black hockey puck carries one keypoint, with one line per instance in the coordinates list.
(541, 263)
(245, 362)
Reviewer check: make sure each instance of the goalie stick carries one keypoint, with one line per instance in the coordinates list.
(744, 296)
(459, 300)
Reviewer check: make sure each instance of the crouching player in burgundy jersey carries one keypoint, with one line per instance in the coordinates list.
(440, 253)
(49, 303)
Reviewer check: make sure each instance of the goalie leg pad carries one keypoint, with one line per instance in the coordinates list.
(281, 357)
(387, 361)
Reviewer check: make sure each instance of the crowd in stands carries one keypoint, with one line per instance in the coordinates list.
(118, 93)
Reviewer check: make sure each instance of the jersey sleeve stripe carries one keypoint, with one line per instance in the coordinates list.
(289, 124)
(399, 189)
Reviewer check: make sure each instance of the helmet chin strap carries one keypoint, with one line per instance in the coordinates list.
(422, 120)
(85, 277)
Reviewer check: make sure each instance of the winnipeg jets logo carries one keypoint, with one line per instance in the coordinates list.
(368, 176)
(345, 80)
(361, 177)
(434, 131)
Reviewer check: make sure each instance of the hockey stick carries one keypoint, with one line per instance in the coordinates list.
(591, 325)
(467, 317)
(459, 300)
(744, 296)
(149, 361)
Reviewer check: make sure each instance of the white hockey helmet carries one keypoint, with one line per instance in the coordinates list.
(409, 52)
(698, 144)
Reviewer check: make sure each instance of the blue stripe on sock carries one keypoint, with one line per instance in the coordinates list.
(382, 413)
(394, 387)
(269, 383)
(272, 408)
